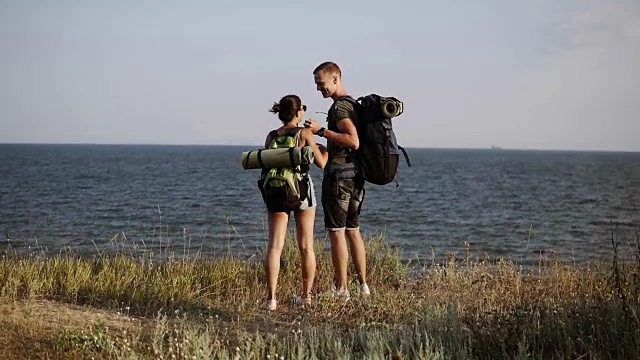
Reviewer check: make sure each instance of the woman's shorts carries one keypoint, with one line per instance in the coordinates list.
(310, 201)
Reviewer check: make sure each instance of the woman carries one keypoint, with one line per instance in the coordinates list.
(290, 111)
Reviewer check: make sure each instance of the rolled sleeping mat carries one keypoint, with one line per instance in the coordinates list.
(275, 158)
(391, 107)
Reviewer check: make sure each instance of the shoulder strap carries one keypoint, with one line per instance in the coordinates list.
(303, 169)
(348, 98)
(293, 132)
(273, 134)
(297, 135)
(356, 106)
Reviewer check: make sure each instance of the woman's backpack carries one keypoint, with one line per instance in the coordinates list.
(284, 188)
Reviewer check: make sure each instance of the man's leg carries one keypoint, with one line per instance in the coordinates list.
(356, 244)
(358, 254)
(340, 258)
(335, 212)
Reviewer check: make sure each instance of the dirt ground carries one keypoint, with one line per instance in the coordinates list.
(28, 329)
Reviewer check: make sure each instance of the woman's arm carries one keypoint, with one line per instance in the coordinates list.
(320, 157)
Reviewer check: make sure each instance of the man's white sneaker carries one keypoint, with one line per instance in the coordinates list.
(364, 289)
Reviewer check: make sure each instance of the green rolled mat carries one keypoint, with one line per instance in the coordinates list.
(270, 158)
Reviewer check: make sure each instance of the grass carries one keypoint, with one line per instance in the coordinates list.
(128, 306)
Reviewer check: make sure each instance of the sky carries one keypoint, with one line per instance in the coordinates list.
(535, 74)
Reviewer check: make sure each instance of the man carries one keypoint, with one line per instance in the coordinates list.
(342, 188)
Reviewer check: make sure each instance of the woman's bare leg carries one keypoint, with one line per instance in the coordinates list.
(277, 230)
(304, 236)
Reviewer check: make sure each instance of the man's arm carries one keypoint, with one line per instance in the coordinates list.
(348, 137)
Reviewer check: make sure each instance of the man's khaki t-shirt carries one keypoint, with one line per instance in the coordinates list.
(340, 109)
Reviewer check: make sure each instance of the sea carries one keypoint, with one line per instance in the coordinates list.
(181, 200)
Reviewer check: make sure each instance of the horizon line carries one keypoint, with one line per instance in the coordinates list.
(489, 148)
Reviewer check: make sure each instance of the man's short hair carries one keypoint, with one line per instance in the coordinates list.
(328, 66)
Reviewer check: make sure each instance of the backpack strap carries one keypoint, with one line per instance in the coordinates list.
(356, 106)
(273, 134)
(296, 140)
(406, 157)
(348, 98)
(295, 132)
(297, 135)
(304, 169)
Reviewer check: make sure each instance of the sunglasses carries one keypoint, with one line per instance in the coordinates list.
(304, 108)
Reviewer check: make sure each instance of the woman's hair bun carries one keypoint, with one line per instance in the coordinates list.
(287, 108)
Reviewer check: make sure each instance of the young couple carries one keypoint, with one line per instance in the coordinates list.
(342, 191)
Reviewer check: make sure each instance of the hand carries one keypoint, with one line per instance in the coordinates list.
(312, 125)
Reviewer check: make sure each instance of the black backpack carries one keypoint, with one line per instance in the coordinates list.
(378, 155)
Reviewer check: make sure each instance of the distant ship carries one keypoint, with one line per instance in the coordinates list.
(493, 147)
